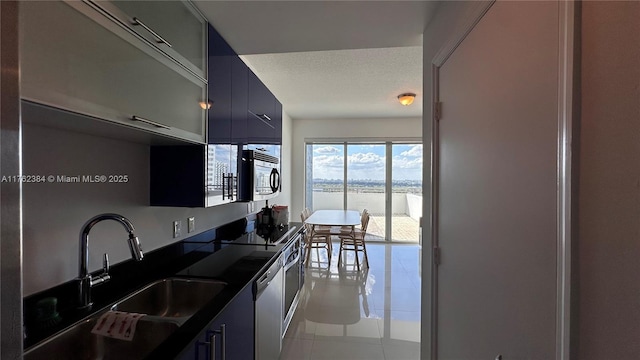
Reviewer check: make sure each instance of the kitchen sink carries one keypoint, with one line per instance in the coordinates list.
(78, 342)
(174, 298)
(167, 303)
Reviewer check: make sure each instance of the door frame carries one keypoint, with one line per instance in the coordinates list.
(566, 74)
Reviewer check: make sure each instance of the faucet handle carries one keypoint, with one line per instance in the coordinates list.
(104, 277)
(105, 263)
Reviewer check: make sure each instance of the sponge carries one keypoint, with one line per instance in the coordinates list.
(46, 313)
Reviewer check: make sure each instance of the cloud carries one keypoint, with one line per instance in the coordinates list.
(414, 151)
(328, 163)
(327, 150)
(365, 160)
(331, 161)
(400, 162)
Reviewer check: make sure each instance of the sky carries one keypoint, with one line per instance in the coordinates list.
(367, 162)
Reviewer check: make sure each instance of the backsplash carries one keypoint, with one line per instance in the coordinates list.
(54, 212)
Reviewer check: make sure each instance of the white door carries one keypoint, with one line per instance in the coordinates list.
(496, 187)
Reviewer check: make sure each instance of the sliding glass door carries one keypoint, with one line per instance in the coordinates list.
(325, 186)
(366, 184)
(384, 178)
(406, 191)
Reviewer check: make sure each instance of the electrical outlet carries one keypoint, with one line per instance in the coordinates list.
(177, 227)
(191, 224)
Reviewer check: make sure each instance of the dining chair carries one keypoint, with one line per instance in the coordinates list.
(354, 241)
(347, 229)
(320, 239)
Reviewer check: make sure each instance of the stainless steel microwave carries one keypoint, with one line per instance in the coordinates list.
(259, 177)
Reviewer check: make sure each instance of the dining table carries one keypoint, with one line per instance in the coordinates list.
(333, 218)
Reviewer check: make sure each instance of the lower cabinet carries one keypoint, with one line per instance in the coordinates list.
(232, 331)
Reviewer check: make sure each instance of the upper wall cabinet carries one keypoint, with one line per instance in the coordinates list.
(264, 114)
(79, 57)
(174, 27)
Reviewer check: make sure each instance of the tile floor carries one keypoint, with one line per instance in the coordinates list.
(349, 314)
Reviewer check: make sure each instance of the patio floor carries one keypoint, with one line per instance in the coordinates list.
(404, 228)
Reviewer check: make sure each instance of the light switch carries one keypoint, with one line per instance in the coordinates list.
(177, 226)
(191, 224)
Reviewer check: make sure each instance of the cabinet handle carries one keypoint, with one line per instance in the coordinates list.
(212, 347)
(262, 117)
(265, 116)
(146, 121)
(161, 40)
(223, 341)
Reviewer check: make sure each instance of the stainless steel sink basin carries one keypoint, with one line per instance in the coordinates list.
(78, 342)
(174, 298)
(168, 303)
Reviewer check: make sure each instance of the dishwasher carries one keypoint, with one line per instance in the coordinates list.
(269, 303)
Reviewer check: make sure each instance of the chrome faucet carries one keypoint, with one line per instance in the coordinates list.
(85, 280)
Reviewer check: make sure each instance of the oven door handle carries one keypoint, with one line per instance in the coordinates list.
(289, 264)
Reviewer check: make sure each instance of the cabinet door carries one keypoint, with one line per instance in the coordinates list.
(277, 123)
(239, 94)
(74, 58)
(175, 27)
(220, 96)
(177, 175)
(238, 320)
(223, 156)
(260, 127)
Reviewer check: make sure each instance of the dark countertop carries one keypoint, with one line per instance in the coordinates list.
(238, 266)
(202, 256)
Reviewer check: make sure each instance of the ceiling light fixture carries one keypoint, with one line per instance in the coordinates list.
(406, 99)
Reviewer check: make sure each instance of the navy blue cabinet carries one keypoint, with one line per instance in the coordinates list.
(232, 330)
(220, 81)
(264, 123)
(222, 154)
(239, 94)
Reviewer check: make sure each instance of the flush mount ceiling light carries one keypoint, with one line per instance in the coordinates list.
(406, 99)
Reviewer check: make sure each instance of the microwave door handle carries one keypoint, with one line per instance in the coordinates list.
(273, 180)
(223, 195)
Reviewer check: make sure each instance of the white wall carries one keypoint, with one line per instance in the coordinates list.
(365, 129)
(605, 319)
(448, 18)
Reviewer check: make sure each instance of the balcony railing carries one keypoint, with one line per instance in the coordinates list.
(406, 212)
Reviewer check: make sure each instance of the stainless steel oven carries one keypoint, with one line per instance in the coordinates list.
(292, 255)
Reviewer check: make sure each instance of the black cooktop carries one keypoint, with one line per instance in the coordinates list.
(243, 233)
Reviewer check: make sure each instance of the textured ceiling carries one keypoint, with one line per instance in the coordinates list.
(330, 59)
